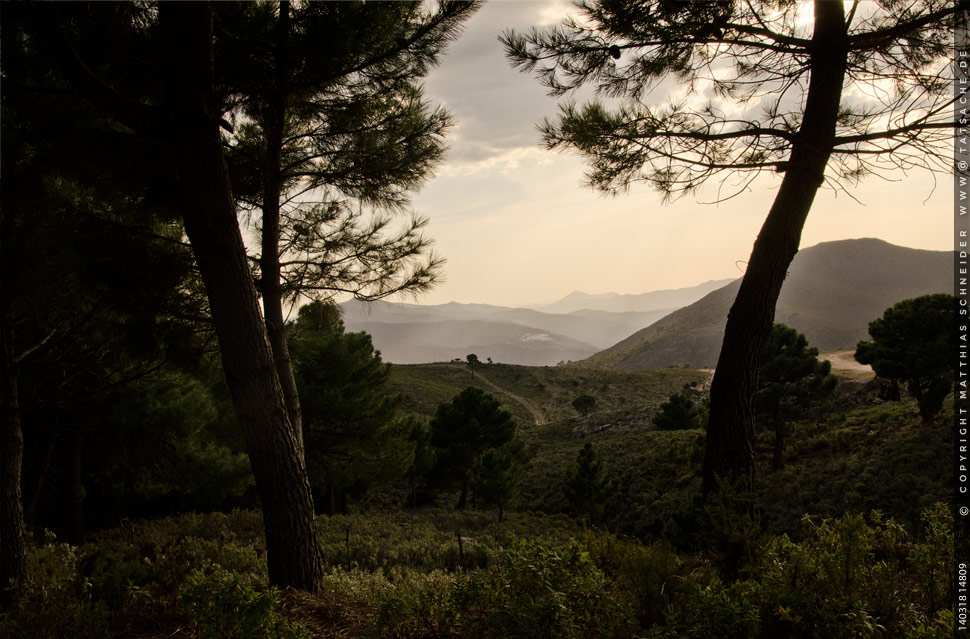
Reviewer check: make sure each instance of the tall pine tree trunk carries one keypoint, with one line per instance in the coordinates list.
(71, 514)
(273, 122)
(729, 450)
(13, 550)
(211, 225)
(34, 481)
(778, 460)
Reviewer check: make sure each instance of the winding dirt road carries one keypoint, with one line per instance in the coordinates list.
(537, 415)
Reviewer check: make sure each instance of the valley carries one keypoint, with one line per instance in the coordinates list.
(832, 292)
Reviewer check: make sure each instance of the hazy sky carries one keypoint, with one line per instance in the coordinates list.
(517, 227)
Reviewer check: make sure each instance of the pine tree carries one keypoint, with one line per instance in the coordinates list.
(788, 100)
(677, 413)
(588, 485)
(791, 378)
(493, 475)
(354, 438)
(913, 342)
(333, 124)
(584, 404)
(462, 430)
(173, 99)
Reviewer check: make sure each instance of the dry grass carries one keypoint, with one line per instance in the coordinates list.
(330, 615)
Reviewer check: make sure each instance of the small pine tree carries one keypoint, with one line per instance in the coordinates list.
(678, 413)
(588, 485)
(492, 478)
(584, 404)
(791, 378)
(424, 457)
(913, 342)
(462, 430)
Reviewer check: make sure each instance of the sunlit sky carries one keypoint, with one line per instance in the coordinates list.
(517, 227)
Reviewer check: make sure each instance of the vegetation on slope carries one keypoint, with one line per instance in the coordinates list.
(816, 558)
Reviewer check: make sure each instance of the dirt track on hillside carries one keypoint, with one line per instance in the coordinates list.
(844, 362)
(537, 415)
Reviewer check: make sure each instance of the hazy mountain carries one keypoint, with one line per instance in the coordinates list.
(598, 329)
(438, 341)
(416, 333)
(832, 292)
(617, 303)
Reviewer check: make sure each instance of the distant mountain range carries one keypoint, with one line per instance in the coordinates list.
(832, 292)
(621, 303)
(415, 333)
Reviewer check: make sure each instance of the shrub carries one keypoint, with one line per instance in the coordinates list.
(227, 604)
(534, 590)
(531, 591)
(55, 602)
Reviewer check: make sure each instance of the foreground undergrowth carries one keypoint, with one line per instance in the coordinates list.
(436, 573)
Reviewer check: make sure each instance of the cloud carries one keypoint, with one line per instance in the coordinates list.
(497, 107)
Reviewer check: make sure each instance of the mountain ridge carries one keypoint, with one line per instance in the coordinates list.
(833, 290)
(405, 333)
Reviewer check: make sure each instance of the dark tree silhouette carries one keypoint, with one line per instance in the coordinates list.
(677, 413)
(335, 121)
(914, 342)
(354, 437)
(791, 378)
(492, 477)
(587, 484)
(186, 114)
(781, 106)
(584, 404)
(462, 430)
(76, 319)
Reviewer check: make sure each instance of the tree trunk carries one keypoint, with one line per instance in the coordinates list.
(72, 491)
(462, 497)
(414, 490)
(13, 549)
(273, 122)
(210, 222)
(729, 452)
(35, 483)
(778, 461)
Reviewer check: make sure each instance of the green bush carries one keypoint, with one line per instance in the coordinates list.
(535, 590)
(419, 611)
(531, 591)
(226, 604)
(852, 579)
(652, 579)
(55, 602)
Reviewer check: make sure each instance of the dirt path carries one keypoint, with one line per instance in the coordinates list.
(537, 415)
(844, 362)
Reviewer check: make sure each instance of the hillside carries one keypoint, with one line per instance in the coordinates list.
(833, 291)
(527, 390)
(654, 563)
(418, 342)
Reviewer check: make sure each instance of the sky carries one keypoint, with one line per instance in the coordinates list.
(517, 227)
